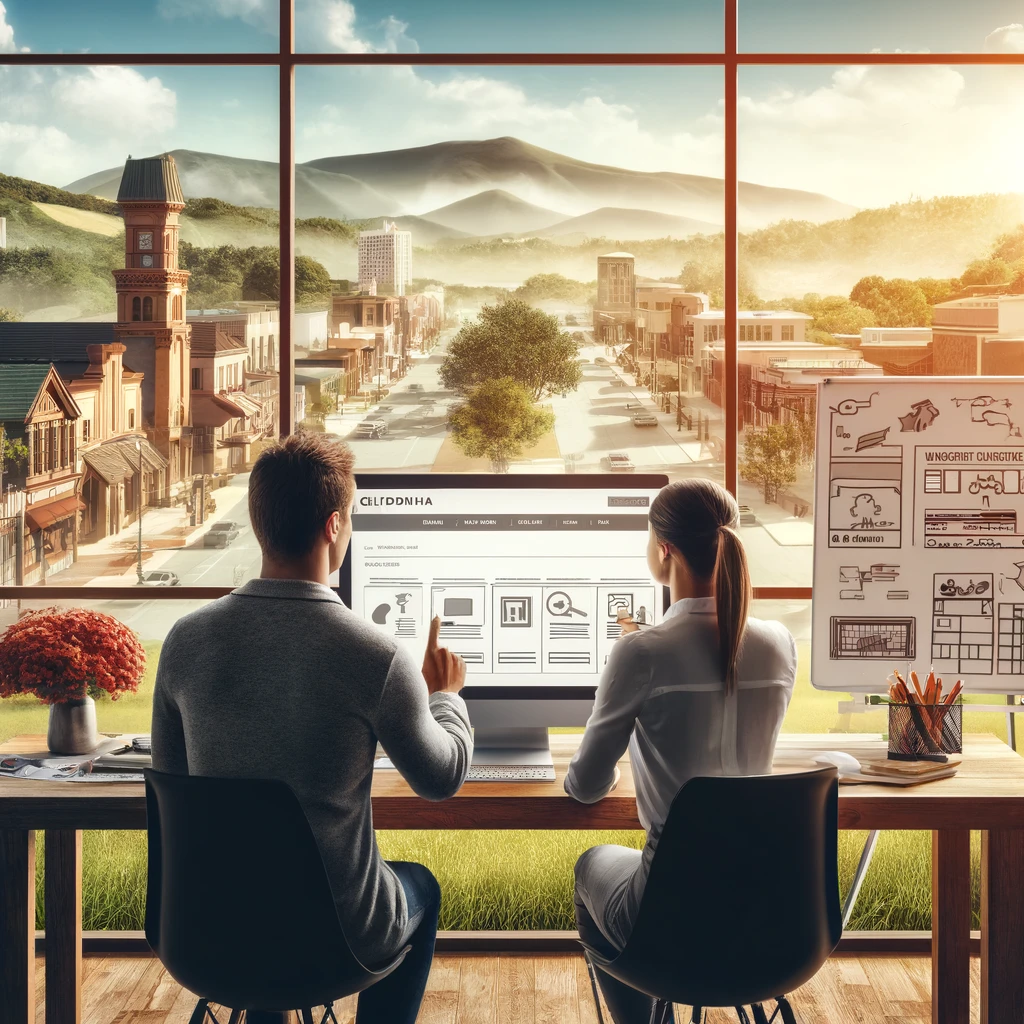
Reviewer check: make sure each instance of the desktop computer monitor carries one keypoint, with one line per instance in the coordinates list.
(528, 575)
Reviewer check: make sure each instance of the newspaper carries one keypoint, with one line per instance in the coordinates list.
(115, 760)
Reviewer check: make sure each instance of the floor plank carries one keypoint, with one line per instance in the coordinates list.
(518, 989)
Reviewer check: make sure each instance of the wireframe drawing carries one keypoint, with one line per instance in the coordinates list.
(921, 416)
(993, 412)
(867, 513)
(852, 580)
(963, 623)
(857, 637)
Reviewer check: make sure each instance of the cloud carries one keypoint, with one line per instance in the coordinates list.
(33, 152)
(1008, 39)
(334, 22)
(119, 98)
(7, 44)
(261, 13)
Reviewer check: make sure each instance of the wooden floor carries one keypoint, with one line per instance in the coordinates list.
(486, 989)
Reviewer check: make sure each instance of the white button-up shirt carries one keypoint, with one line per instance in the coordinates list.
(663, 696)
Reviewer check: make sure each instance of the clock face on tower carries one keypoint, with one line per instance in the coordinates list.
(147, 261)
(145, 239)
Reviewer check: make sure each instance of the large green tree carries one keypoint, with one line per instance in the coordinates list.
(513, 340)
(896, 302)
(498, 420)
(558, 287)
(770, 456)
(8, 316)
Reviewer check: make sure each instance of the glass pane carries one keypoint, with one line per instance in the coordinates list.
(124, 26)
(138, 338)
(905, 260)
(531, 26)
(833, 26)
(588, 199)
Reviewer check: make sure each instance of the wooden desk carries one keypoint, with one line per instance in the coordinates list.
(987, 794)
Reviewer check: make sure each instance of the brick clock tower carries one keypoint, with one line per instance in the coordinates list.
(151, 293)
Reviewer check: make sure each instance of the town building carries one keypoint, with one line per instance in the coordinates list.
(358, 316)
(39, 518)
(898, 351)
(385, 259)
(978, 336)
(615, 309)
(109, 394)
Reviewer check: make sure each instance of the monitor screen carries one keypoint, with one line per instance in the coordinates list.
(528, 574)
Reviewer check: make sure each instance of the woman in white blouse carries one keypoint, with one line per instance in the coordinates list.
(703, 693)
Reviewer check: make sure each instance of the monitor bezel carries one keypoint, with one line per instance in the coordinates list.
(512, 481)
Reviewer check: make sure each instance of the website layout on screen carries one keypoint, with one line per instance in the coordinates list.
(530, 585)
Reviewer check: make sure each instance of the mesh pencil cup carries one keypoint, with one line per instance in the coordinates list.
(925, 732)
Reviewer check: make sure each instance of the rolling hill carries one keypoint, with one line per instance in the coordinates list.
(495, 212)
(425, 178)
(639, 225)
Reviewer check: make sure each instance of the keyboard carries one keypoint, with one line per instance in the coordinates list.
(511, 773)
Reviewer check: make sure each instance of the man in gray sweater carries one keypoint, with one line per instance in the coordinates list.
(280, 680)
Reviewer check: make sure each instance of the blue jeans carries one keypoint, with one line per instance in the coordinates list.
(396, 999)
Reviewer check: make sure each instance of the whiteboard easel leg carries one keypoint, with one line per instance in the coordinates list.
(858, 876)
(1011, 722)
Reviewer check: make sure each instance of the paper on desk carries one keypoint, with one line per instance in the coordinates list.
(43, 769)
(383, 762)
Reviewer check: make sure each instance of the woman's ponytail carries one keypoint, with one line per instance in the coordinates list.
(732, 600)
(699, 518)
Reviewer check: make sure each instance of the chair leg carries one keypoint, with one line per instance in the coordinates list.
(788, 1016)
(741, 1013)
(199, 1013)
(307, 1016)
(697, 1015)
(592, 971)
(760, 1017)
(236, 1016)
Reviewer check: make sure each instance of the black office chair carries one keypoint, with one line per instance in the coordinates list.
(742, 902)
(239, 907)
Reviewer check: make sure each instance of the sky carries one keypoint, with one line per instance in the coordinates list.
(867, 136)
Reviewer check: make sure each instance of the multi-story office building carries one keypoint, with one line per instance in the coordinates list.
(978, 336)
(385, 259)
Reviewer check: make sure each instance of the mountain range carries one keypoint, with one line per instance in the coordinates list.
(485, 188)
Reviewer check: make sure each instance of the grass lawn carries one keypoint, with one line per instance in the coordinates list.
(515, 880)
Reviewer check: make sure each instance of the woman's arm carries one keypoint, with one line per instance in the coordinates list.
(620, 696)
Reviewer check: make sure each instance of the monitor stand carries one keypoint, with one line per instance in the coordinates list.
(512, 746)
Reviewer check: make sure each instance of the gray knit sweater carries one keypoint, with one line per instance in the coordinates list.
(280, 680)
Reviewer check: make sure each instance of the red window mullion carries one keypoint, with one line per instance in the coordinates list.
(731, 188)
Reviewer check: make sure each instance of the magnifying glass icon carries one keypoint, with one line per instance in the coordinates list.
(560, 604)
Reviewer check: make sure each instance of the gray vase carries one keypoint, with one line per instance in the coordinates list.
(72, 727)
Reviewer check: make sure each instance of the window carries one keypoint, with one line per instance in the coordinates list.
(220, 378)
(176, 307)
(136, 308)
(787, 332)
(197, 378)
(147, 308)
(766, 330)
(86, 430)
(131, 419)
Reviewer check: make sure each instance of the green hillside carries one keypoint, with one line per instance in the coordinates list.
(26, 191)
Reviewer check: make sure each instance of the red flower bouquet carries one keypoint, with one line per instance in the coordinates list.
(60, 654)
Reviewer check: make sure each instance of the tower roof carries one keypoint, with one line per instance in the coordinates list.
(154, 179)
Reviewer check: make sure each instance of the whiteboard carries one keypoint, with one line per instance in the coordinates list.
(919, 532)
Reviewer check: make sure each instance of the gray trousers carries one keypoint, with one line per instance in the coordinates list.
(606, 898)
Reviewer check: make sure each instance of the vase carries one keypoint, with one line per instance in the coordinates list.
(72, 727)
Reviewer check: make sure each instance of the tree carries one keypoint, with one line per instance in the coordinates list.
(938, 289)
(312, 282)
(990, 271)
(8, 316)
(498, 420)
(516, 341)
(558, 287)
(262, 278)
(770, 455)
(896, 302)
(834, 314)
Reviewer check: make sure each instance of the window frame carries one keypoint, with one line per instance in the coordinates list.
(730, 59)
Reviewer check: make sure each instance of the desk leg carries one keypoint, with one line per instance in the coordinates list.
(63, 904)
(18, 924)
(951, 926)
(1002, 926)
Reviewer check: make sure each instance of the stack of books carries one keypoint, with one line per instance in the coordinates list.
(907, 773)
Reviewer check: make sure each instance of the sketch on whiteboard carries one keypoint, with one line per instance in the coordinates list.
(864, 637)
(963, 623)
(989, 482)
(871, 440)
(852, 580)
(993, 412)
(867, 513)
(851, 406)
(921, 416)
(1011, 639)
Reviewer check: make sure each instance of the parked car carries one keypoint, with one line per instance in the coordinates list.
(644, 419)
(415, 387)
(600, 360)
(220, 535)
(618, 462)
(570, 319)
(159, 578)
(372, 429)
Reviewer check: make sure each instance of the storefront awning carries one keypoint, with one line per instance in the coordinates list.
(112, 461)
(210, 410)
(39, 516)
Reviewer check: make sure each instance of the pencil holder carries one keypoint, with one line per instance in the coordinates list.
(925, 732)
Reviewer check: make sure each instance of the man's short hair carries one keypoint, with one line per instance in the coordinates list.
(295, 486)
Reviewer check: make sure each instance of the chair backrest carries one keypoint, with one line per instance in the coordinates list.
(742, 901)
(239, 907)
